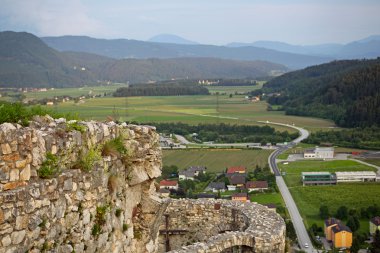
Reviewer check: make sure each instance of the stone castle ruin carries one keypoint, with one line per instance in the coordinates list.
(65, 188)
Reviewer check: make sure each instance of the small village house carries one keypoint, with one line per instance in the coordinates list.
(169, 184)
(374, 224)
(238, 169)
(340, 235)
(236, 182)
(241, 196)
(191, 172)
(329, 223)
(256, 186)
(216, 187)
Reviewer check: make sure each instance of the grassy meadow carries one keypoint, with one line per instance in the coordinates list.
(216, 160)
(294, 169)
(187, 109)
(310, 198)
(352, 195)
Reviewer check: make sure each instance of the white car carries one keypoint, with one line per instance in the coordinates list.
(306, 245)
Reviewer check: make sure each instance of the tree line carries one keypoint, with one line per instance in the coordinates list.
(226, 133)
(363, 138)
(160, 90)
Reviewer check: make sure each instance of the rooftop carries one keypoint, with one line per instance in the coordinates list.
(240, 195)
(217, 185)
(168, 183)
(314, 173)
(256, 184)
(355, 173)
(237, 179)
(340, 227)
(332, 221)
(237, 169)
(324, 149)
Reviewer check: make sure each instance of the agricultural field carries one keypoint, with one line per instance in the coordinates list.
(352, 195)
(74, 92)
(310, 198)
(294, 169)
(216, 160)
(187, 109)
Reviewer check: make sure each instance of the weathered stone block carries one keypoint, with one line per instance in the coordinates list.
(25, 173)
(20, 164)
(6, 149)
(14, 185)
(18, 236)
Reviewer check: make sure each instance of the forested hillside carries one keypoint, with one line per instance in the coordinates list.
(347, 92)
(25, 61)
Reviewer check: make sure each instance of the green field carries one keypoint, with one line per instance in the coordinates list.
(268, 198)
(216, 160)
(294, 169)
(187, 109)
(352, 195)
(74, 92)
(371, 161)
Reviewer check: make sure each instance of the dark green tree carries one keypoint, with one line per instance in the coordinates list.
(342, 212)
(324, 212)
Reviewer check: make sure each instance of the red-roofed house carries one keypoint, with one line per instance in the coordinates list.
(238, 169)
(169, 184)
(242, 196)
(256, 186)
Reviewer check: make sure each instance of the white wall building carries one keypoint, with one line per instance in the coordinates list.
(319, 153)
(355, 176)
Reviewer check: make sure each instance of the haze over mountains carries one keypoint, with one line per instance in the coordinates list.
(365, 48)
(25, 61)
(123, 48)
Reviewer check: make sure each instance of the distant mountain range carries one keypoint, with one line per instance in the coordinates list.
(123, 49)
(365, 48)
(171, 38)
(26, 61)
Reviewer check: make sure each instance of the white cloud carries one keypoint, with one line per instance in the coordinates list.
(50, 17)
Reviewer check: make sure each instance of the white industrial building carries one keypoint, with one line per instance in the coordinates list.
(355, 176)
(319, 153)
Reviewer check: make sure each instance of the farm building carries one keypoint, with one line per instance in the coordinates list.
(318, 178)
(355, 176)
(319, 153)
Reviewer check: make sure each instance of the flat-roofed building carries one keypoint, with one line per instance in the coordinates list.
(318, 178)
(355, 176)
(319, 153)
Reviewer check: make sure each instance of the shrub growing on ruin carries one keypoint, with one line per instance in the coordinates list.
(87, 161)
(49, 167)
(75, 126)
(114, 147)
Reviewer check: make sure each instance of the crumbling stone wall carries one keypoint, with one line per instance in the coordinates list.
(218, 225)
(111, 208)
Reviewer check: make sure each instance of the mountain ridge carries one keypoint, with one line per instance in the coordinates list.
(122, 48)
(25, 61)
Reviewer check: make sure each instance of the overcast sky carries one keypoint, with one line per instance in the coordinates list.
(205, 21)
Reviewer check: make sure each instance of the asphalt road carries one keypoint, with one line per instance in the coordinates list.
(302, 235)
